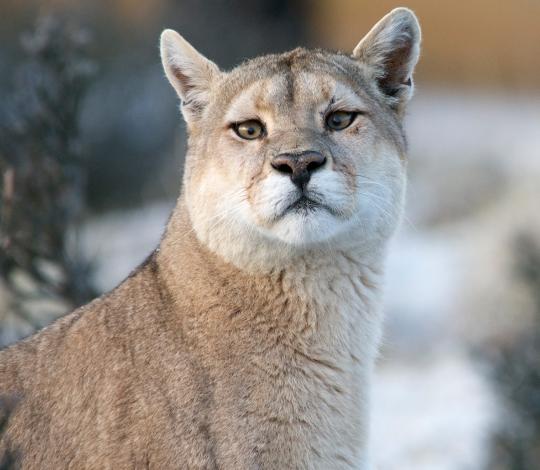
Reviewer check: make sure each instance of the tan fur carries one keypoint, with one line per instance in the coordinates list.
(248, 338)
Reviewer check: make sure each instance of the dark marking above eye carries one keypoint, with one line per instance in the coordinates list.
(290, 87)
(329, 106)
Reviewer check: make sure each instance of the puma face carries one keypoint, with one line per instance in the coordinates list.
(298, 149)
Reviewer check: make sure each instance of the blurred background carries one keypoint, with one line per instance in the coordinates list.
(91, 150)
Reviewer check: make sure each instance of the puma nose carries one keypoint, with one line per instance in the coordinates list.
(299, 165)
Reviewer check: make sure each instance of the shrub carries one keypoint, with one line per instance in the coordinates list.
(41, 178)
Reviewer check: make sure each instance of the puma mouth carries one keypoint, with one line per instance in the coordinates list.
(303, 204)
(306, 205)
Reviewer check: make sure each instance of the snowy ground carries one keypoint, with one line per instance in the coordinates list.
(431, 414)
(474, 171)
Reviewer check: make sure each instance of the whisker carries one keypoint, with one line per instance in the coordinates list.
(388, 204)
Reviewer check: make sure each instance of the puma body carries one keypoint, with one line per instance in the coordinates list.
(247, 339)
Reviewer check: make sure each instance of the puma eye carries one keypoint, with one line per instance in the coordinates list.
(339, 120)
(249, 130)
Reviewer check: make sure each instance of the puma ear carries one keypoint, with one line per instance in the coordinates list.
(391, 49)
(190, 73)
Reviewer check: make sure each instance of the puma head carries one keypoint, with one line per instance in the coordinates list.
(297, 150)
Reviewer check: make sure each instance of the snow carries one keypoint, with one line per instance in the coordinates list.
(432, 414)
